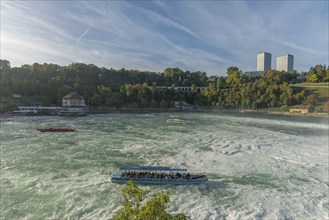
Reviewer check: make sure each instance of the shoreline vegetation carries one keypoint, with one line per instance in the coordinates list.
(107, 90)
(242, 111)
(158, 110)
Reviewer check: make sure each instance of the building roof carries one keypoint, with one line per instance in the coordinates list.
(73, 95)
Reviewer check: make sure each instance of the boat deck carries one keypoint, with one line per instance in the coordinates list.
(157, 175)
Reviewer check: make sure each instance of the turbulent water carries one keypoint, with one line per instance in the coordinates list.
(259, 167)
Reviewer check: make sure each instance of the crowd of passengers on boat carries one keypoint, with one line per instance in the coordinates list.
(157, 175)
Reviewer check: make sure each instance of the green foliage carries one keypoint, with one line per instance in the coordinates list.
(137, 89)
(321, 90)
(312, 78)
(284, 108)
(7, 106)
(96, 100)
(134, 206)
(326, 77)
(233, 76)
(180, 78)
(319, 73)
(4, 65)
(326, 107)
(311, 99)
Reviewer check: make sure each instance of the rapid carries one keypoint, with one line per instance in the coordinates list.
(259, 166)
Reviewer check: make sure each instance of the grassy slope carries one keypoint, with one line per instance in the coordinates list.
(320, 89)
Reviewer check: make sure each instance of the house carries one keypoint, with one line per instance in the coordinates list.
(73, 99)
(73, 104)
(299, 110)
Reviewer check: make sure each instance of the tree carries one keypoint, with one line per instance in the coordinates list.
(312, 99)
(233, 75)
(4, 65)
(96, 100)
(219, 83)
(284, 108)
(163, 104)
(317, 74)
(312, 78)
(326, 107)
(326, 77)
(135, 208)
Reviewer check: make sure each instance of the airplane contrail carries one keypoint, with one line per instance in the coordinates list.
(82, 35)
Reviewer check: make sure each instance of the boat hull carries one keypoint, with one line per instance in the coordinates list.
(56, 129)
(159, 181)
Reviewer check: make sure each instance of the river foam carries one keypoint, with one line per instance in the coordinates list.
(259, 167)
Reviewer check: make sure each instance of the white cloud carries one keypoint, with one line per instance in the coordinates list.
(155, 17)
(207, 36)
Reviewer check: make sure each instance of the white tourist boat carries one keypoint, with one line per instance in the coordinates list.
(157, 175)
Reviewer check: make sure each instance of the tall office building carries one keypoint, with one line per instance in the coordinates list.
(264, 61)
(285, 63)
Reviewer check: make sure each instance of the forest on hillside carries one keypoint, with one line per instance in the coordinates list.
(123, 88)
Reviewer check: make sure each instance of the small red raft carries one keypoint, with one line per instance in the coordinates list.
(56, 129)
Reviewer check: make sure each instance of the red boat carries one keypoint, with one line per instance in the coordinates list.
(56, 129)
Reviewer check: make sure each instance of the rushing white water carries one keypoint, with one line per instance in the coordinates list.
(259, 167)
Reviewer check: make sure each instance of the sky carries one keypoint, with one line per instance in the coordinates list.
(206, 36)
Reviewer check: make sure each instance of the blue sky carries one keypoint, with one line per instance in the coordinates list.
(208, 36)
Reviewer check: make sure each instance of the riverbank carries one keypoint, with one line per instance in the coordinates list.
(271, 112)
(158, 110)
(313, 114)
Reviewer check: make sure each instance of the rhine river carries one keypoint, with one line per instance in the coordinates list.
(259, 167)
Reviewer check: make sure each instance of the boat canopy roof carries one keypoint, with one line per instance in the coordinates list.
(153, 168)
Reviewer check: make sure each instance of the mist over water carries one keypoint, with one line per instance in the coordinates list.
(259, 166)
